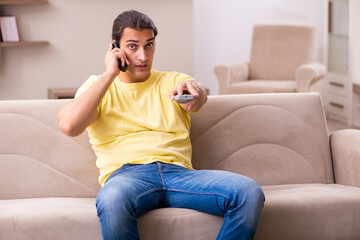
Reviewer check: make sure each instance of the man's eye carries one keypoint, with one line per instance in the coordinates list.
(132, 46)
(150, 45)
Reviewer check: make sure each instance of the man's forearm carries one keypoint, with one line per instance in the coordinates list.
(77, 115)
(201, 101)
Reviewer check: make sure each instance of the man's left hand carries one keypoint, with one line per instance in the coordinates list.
(195, 89)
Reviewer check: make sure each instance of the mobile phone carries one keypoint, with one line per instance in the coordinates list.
(181, 99)
(122, 68)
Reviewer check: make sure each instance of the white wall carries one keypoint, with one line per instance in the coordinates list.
(194, 36)
(79, 32)
(223, 29)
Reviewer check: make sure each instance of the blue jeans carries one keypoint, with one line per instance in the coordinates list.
(134, 190)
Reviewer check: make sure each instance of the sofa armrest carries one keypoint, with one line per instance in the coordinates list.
(308, 74)
(230, 74)
(345, 147)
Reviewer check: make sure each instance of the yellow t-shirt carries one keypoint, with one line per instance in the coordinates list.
(138, 123)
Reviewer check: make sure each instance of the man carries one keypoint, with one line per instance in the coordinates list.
(141, 139)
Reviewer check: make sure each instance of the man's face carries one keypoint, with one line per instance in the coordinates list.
(140, 48)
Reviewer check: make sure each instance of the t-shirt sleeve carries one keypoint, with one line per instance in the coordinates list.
(177, 78)
(86, 85)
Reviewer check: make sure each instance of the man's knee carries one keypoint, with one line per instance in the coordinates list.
(248, 191)
(255, 193)
(114, 199)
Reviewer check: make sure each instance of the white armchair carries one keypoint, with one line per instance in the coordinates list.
(282, 60)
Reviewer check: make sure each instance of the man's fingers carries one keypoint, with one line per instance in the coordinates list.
(172, 94)
(186, 87)
(190, 105)
(193, 89)
(110, 48)
(121, 54)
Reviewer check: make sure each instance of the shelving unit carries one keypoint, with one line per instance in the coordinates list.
(22, 43)
(18, 2)
(342, 88)
(338, 80)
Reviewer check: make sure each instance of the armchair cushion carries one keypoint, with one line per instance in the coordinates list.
(278, 50)
(261, 86)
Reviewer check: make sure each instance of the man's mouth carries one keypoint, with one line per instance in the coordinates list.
(141, 66)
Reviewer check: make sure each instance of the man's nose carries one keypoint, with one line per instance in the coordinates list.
(142, 54)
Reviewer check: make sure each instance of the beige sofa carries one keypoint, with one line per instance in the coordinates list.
(48, 181)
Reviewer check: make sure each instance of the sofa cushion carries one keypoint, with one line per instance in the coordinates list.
(178, 223)
(49, 218)
(311, 212)
(296, 212)
(272, 138)
(37, 159)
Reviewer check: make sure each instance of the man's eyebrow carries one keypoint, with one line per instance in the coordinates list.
(137, 41)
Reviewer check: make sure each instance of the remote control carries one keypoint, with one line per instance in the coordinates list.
(181, 99)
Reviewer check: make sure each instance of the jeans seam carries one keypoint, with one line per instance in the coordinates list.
(161, 175)
(218, 194)
(232, 204)
(225, 222)
(162, 181)
(145, 194)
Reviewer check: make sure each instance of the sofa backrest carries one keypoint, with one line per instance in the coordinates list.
(278, 50)
(37, 159)
(272, 138)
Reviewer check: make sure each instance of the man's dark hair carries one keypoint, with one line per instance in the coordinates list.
(131, 19)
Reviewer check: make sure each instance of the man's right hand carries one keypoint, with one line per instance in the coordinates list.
(111, 57)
